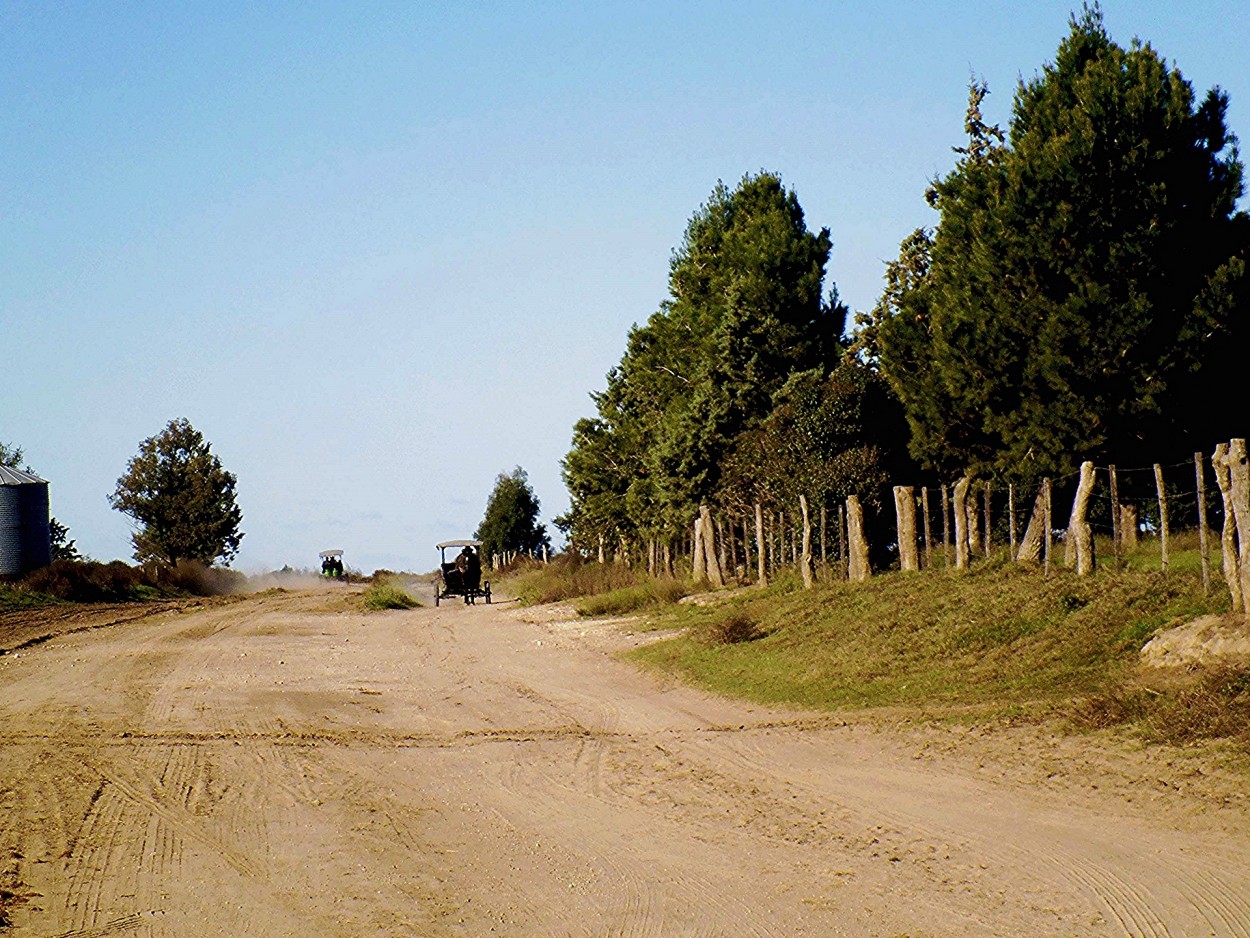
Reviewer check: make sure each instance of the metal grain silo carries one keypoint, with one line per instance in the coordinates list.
(25, 538)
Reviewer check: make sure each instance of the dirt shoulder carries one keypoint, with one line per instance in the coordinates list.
(289, 765)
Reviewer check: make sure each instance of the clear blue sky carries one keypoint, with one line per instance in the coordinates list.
(380, 252)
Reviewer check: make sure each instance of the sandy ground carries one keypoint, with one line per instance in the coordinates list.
(286, 765)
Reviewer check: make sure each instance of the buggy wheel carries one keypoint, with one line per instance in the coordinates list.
(436, 597)
(486, 592)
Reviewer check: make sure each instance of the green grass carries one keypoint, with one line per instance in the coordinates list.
(651, 594)
(15, 599)
(998, 640)
(387, 596)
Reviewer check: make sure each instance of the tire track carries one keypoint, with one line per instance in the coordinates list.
(1136, 909)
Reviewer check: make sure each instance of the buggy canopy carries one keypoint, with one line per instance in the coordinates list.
(445, 544)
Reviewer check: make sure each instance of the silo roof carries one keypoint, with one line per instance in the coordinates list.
(10, 476)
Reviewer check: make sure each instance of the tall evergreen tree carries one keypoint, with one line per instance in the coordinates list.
(1086, 284)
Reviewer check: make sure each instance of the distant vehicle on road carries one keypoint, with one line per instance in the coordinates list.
(462, 575)
(332, 564)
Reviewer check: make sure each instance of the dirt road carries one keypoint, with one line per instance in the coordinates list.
(289, 766)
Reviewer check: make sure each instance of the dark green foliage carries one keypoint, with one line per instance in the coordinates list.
(511, 519)
(182, 498)
(745, 313)
(1086, 283)
(827, 437)
(63, 546)
(10, 456)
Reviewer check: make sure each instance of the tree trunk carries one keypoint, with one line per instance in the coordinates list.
(668, 558)
(1031, 543)
(860, 569)
(805, 561)
(762, 572)
(1080, 539)
(1163, 517)
(905, 513)
(603, 558)
(961, 523)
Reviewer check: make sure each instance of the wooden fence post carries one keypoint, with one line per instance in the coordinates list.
(1230, 565)
(905, 513)
(1202, 523)
(843, 566)
(946, 533)
(714, 574)
(1046, 525)
(1239, 477)
(1117, 521)
(988, 527)
(1163, 517)
(761, 550)
(824, 557)
(698, 558)
(860, 569)
(928, 545)
(1011, 521)
(1079, 541)
(805, 561)
(961, 523)
(972, 533)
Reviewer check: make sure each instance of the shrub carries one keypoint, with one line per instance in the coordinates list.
(734, 627)
(87, 581)
(387, 596)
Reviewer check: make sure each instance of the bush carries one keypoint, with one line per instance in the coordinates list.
(1176, 708)
(734, 627)
(88, 581)
(387, 596)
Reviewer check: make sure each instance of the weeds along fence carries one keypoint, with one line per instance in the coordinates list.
(1096, 515)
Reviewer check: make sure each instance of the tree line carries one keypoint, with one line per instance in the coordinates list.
(1083, 296)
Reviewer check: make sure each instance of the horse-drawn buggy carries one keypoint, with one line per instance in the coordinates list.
(461, 576)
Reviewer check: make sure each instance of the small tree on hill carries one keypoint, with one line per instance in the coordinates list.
(182, 498)
(511, 519)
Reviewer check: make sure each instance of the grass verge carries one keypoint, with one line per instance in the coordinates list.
(999, 641)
